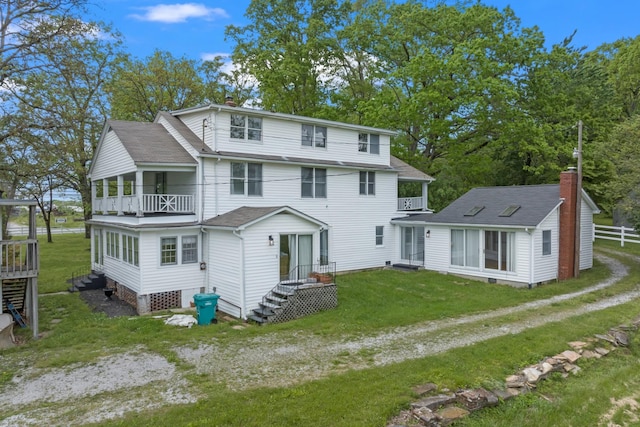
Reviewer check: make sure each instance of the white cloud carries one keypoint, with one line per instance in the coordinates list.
(179, 12)
(212, 56)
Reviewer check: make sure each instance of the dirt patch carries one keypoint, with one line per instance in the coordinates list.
(112, 307)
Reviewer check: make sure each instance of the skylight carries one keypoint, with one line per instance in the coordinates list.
(473, 211)
(510, 210)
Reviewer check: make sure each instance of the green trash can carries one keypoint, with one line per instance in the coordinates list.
(206, 308)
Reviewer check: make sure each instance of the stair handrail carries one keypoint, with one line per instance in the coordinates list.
(310, 271)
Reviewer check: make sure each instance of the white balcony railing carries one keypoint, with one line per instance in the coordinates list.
(151, 203)
(410, 204)
(19, 258)
(167, 203)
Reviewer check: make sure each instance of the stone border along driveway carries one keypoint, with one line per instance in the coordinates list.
(144, 381)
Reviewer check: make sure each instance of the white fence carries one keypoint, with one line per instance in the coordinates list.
(619, 234)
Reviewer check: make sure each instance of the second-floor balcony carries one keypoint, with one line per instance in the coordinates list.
(411, 204)
(146, 204)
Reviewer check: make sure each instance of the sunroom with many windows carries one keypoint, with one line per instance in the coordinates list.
(478, 249)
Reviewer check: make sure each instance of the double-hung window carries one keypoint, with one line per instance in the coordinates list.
(189, 249)
(246, 179)
(379, 235)
(369, 143)
(546, 242)
(130, 249)
(314, 182)
(168, 250)
(314, 136)
(246, 128)
(368, 183)
(113, 244)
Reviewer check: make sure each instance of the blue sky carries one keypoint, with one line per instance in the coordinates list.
(196, 29)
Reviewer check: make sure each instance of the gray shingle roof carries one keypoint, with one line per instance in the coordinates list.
(246, 215)
(535, 201)
(407, 172)
(149, 143)
(240, 216)
(185, 132)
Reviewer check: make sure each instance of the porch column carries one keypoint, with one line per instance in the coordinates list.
(120, 186)
(105, 196)
(425, 196)
(139, 190)
(93, 197)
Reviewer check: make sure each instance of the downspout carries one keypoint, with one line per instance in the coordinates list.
(205, 256)
(242, 276)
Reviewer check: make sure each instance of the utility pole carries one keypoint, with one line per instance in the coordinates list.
(578, 154)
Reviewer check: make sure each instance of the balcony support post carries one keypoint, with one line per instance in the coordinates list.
(425, 196)
(105, 195)
(139, 191)
(120, 187)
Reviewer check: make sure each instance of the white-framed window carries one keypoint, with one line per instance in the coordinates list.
(369, 143)
(324, 247)
(499, 250)
(379, 235)
(465, 248)
(168, 250)
(246, 179)
(113, 244)
(189, 249)
(546, 242)
(314, 136)
(313, 182)
(367, 183)
(247, 128)
(130, 250)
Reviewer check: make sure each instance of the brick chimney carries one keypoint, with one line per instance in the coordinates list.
(229, 101)
(566, 248)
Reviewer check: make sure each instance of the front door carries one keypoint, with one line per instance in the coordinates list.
(296, 256)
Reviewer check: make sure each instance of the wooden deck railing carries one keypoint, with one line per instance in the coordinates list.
(151, 203)
(19, 258)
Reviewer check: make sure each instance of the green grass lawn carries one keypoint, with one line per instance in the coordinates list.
(368, 302)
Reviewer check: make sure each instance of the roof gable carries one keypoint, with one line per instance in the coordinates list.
(149, 143)
(246, 216)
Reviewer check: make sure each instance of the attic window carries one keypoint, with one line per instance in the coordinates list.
(510, 210)
(473, 211)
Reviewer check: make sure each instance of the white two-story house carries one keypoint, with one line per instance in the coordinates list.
(234, 200)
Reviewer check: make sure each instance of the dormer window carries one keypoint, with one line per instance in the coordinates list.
(314, 136)
(246, 128)
(369, 143)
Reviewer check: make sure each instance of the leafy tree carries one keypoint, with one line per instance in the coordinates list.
(69, 102)
(288, 47)
(624, 149)
(624, 72)
(139, 89)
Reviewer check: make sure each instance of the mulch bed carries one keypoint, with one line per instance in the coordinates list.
(114, 307)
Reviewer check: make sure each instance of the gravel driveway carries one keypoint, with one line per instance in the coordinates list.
(275, 359)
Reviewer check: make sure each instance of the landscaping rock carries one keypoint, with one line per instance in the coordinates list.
(515, 381)
(479, 398)
(532, 375)
(423, 389)
(588, 354)
(601, 351)
(435, 402)
(568, 355)
(620, 337)
(426, 416)
(577, 345)
(505, 394)
(451, 414)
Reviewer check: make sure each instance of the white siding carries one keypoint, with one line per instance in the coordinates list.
(225, 270)
(586, 236)
(284, 138)
(113, 159)
(351, 217)
(164, 278)
(115, 268)
(546, 266)
(262, 262)
(438, 256)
